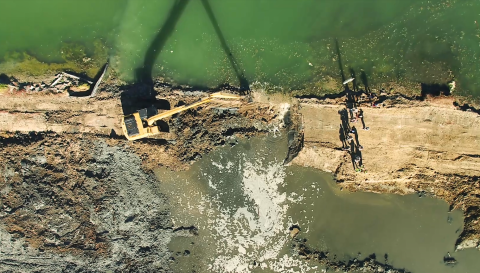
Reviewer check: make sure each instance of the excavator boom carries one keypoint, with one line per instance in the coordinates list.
(176, 110)
(133, 125)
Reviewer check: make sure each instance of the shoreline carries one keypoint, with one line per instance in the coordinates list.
(313, 123)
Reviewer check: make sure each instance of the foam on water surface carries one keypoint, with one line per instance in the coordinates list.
(254, 233)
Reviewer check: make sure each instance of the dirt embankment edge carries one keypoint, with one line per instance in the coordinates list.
(428, 147)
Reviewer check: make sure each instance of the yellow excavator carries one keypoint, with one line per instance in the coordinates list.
(138, 125)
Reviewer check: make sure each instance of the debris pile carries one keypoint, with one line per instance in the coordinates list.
(62, 82)
(65, 81)
(369, 264)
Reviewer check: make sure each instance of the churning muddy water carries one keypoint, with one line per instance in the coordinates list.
(242, 200)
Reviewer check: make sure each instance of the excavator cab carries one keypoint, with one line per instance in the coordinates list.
(142, 123)
(131, 126)
(134, 125)
(135, 128)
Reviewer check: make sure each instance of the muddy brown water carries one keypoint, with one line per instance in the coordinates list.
(243, 200)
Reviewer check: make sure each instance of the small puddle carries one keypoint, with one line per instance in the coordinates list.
(243, 201)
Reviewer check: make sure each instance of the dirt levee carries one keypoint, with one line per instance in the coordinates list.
(413, 147)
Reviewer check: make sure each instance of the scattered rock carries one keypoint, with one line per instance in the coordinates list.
(369, 264)
(468, 243)
(294, 230)
(449, 260)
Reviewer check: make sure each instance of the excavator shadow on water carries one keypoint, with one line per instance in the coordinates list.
(148, 121)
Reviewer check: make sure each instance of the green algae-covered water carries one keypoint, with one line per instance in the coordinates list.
(283, 43)
(42, 27)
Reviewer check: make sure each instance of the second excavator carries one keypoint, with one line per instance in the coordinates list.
(138, 125)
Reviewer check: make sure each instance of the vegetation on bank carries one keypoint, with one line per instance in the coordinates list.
(75, 59)
(3, 87)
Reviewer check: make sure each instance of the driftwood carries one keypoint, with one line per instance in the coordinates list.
(64, 74)
(95, 88)
(57, 80)
(76, 77)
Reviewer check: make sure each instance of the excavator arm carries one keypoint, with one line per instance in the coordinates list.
(133, 125)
